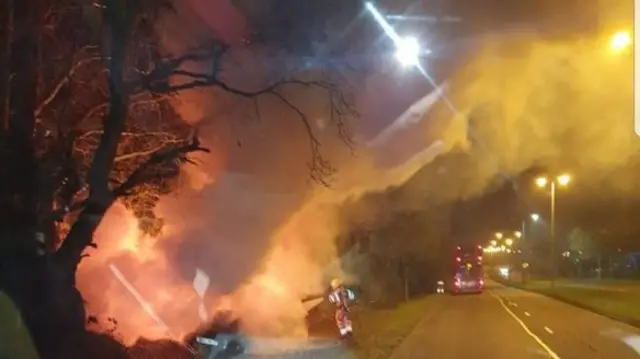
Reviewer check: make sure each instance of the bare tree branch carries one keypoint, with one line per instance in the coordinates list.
(165, 154)
(170, 76)
(149, 152)
(63, 82)
(136, 99)
(166, 140)
(320, 168)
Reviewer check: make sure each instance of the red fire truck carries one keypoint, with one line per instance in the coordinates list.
(468, 274)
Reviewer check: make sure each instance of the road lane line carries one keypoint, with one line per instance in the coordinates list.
(515, 304)
(544, 346)
(548, 330)
(527, 314)
(633, 341)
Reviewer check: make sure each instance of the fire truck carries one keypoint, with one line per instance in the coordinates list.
(467, 270)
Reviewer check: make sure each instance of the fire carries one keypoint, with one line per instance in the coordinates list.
(143, 267)
(148, 298)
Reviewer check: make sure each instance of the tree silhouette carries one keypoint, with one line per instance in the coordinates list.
(87, 120)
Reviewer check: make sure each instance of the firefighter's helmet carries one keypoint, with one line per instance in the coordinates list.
(335, 283)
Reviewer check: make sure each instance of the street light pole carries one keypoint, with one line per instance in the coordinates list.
(554, 263)
(554, 182)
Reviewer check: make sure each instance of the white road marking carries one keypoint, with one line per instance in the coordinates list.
(515, 304)
(544, 346)
(200, 284)
(146, 306)
(633, 342)
(138, 297)
(527, 314)
(548, 330)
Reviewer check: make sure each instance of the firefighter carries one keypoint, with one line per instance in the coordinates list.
(340, 296)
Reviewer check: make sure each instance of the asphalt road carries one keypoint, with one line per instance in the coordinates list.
(506, 323)
(501, 323)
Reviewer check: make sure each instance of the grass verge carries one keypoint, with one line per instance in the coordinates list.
(380, 331)
(616, 300)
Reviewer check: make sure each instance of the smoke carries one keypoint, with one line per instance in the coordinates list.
(564, 106)
(248, 216)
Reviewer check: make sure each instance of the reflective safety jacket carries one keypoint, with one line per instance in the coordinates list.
(341, 297)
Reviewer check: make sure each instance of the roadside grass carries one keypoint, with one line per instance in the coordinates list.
(378, 332)
(618, 300)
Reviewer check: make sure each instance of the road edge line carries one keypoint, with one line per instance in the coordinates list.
(540, 342)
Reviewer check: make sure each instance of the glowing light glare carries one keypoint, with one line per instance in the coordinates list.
(407, 48)
(494, 242)
(518, 234)
(491, 249)
(535, 217)
(498, 235)
(620, 41)
(564, 180)
(408, 51)
(504, 271)
(541, 181)
(384, 24)
(508, 241)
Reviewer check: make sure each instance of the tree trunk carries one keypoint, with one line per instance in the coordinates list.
(22, 102)
(6, 27)
(80, 236)
(101, 197)
(40, 286)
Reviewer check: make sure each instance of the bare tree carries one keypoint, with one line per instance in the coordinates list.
(93, 123)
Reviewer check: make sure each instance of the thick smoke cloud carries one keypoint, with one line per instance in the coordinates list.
(249, 216)
(527, 102)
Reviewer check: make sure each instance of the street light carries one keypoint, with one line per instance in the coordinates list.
(518, 234)
(620, 41)
(562, 181)
(498, 235)
(508, 242)
(408, 51)
(534, 217)
(494, 243)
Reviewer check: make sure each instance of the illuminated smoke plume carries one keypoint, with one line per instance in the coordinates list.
(248, 217)
(264, 250)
